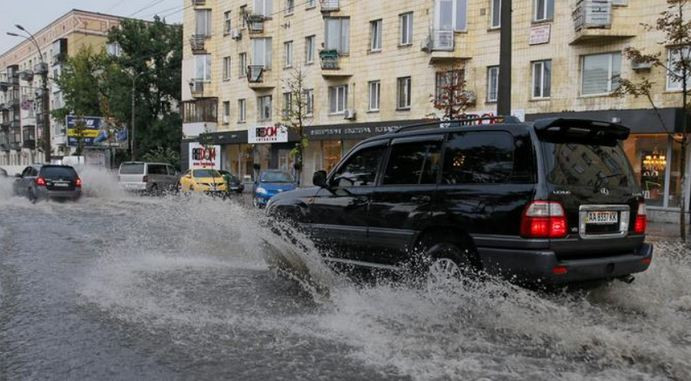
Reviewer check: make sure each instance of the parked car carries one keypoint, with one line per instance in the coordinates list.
(551, 201)
(234, 184)
(203, 180)
(141, 176)
(39, 182)
(269, 183)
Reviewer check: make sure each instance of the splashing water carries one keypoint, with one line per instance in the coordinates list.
(194, 270)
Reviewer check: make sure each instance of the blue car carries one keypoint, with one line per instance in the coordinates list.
(270, 183)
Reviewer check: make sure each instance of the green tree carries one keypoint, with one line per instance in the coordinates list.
(677, 38)
(296, 111)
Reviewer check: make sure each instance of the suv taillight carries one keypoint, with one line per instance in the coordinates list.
(40, 181)
(544, 219)
(78, 182)
(641, 220)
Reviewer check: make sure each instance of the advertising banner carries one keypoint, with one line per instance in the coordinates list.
(91, 131)
(268, 134)
(204, 156)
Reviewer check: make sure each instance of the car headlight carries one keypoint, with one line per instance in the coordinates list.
(261, 190)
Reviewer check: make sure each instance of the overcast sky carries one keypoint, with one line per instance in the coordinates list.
(35, 14)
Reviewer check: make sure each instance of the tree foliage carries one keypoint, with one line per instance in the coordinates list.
(296, 112)
(451, 97)
(98, 84)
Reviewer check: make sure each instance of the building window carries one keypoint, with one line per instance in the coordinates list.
(309, 49)
(337, 34)
(374, 95)
(403, 91)
(242, 110)
(448, 82)
(226, 112)
(542, 79)
(543, 10)
(451, 15)
(674, 73)
(338, 99)
(406, 28)
(261, 52)
(203, 22)
(651, 157)
(241, 16)
(495, 14)
(226, 23)
(492, 83)
(287, 105)
(375, 28)
(310, 4)
(242, 59)
(290, 6)
(288, 54)
(600, 73)
(226, 68)
(263, 7)
(309, 102)
(202, 67)
(264, 108)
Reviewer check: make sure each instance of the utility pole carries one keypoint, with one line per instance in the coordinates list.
(504, 91)
(45, 106)
(134, 78)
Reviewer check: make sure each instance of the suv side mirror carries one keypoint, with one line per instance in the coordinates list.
(319, 179)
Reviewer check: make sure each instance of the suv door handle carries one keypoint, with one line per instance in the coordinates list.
(424, 198)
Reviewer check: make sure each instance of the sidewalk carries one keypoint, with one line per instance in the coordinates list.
(663, 230)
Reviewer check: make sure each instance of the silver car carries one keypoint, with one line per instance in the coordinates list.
(38, 182)
(141, 176)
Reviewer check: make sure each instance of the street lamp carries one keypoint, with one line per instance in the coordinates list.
(44, 90)
(134, 79)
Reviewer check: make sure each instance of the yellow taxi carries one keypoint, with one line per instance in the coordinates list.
(203, 180)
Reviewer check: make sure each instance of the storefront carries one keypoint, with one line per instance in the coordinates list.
(653, 152)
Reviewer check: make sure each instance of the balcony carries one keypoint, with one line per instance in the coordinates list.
(329, 5)
(27, 75)
(197, 88)
(198, 3)
(333, 64)
(592, 20)
(198, 42)
(255, 23)
(199, 116)
(259, 78)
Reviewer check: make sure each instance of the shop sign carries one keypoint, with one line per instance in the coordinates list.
(204, 156)
(268, 134)
(540, 34)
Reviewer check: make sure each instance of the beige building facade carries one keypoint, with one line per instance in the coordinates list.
(21, 127)
(373, 66)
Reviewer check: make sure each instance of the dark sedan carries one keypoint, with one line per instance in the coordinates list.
(37, 182)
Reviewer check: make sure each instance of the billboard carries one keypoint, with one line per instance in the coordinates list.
(268, 134)
(204, 156)
(93, 129)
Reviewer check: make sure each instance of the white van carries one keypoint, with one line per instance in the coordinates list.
(147, 177)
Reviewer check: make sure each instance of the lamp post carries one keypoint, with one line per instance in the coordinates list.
(44, 91)
(504, 90)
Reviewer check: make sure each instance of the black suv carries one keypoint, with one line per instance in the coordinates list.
(553, 201)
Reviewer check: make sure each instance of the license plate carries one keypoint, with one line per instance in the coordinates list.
(602, 218)
(62, 185)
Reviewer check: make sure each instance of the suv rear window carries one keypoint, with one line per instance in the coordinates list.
(157, 169)
(576, 164)
(58, 172)
(132, 169)
(488, 157)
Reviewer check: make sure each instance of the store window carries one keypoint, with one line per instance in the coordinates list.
(331, 153)
(649, 158)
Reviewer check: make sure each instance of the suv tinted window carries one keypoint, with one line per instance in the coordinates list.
(361, 168)
(479, 158)
(413, 163)
(157, 169)
(572, 164)
(58, 172)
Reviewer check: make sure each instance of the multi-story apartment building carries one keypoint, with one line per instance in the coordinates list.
(372, 66)
(20, 84)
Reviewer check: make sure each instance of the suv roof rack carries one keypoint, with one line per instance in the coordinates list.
(470, 121)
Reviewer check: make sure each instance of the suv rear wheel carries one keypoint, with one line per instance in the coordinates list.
(447, 261)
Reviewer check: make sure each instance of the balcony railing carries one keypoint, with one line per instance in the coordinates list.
(200, 111)
(197, 87)
(254, 73)
(329, 59)
(198, 3)
(197, 42)
(255, 22)
(27, 75)
(592, 14)
(439, 40)
(329, 5)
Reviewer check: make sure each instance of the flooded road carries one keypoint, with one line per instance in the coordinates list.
(122, 287)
